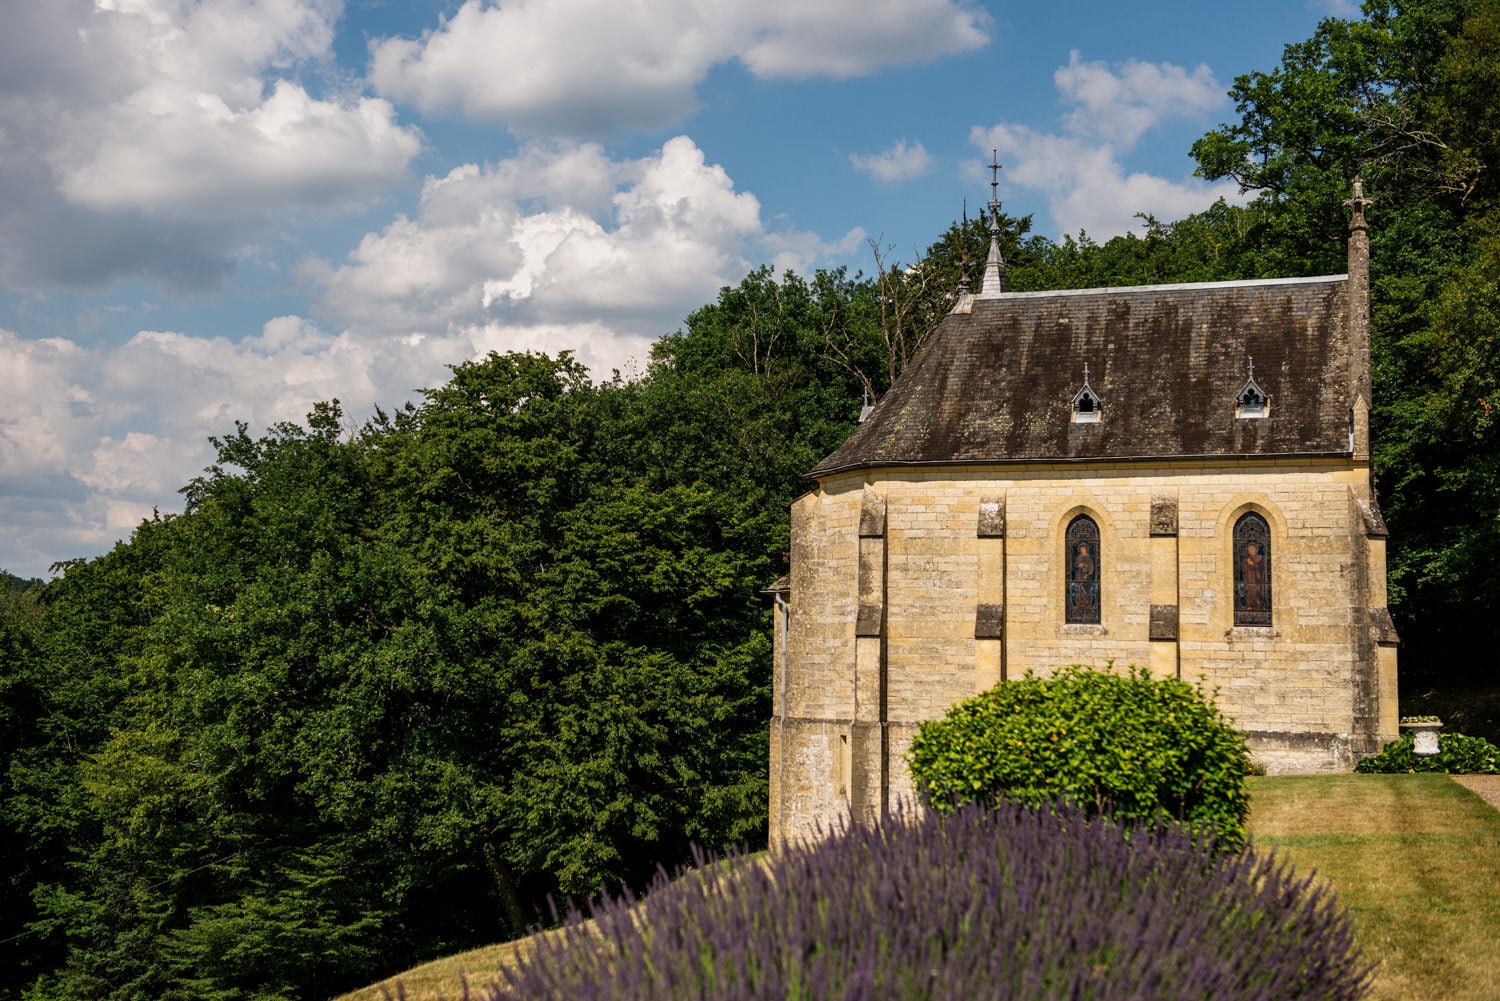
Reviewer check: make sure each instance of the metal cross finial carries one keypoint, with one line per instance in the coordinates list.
(995, 282)
(1358, 203)
(995, 190)
(1085, 373)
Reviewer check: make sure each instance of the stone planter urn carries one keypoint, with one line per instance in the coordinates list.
(1424, 732)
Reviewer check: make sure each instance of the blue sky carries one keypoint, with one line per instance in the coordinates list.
(214, 210)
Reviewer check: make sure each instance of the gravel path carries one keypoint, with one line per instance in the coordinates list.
(1487, 787)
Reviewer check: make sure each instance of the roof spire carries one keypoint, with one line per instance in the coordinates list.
(995, 281)
(963, 244)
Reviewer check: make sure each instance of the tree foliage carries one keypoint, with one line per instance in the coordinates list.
(377, 691)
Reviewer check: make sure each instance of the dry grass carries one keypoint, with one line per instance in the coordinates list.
(443, 979)
(1415, 858)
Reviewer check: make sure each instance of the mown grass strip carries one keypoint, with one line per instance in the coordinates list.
(1415, 858)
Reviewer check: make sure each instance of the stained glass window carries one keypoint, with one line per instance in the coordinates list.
(1082, 562)
(1252, 571)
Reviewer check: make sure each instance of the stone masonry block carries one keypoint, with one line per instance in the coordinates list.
(872, 515)
(1382, 629)
(992, 519)
(1163, 515)
(989, 622)
(1163, 622)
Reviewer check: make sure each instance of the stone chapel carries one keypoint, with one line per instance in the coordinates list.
(1174, 476)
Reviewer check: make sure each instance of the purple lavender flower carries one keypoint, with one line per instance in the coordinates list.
(1016, 902)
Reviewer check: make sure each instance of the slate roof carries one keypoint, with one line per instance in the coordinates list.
(782, 585)
(996, 384)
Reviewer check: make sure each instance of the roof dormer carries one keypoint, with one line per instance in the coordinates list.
(1252, 401)
(1087, 407)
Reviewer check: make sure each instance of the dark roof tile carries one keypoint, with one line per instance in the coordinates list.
(1167, 362)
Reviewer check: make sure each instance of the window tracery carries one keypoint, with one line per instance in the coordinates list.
(1252, 571)
(1082, 594)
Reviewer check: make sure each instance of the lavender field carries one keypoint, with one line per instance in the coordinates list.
(1016, 903)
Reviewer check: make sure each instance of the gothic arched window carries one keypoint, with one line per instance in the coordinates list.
(1081, 558)
(1252, 571)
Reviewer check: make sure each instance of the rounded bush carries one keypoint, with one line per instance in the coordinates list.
(1012, 902)
(1123, 745)
(1457, 754)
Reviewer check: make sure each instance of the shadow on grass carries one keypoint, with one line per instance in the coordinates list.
(1415, 858)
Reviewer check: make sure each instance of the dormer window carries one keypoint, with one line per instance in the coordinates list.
(1252, 401)
(1087, 406)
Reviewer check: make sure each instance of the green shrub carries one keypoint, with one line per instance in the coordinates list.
(1457, 754)
(1126, 746)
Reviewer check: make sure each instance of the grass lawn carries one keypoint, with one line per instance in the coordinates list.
(444, 978)
(1415, 858)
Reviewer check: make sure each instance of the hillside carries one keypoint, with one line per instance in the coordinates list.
(378, 691)
(1412, 856)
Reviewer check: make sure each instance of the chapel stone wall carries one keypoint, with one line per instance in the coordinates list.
(913, 589)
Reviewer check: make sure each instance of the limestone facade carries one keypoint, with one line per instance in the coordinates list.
(912, 590)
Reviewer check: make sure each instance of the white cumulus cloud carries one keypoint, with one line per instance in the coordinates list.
(1078, 169)
(560, 247)
(173, 153)
(93, 439)
(154, 137)
(897, 162)
(1121, 103)
(589, 67)
(1335, 8)
(560, 233)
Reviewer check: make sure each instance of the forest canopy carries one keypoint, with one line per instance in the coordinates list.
(377, 691)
